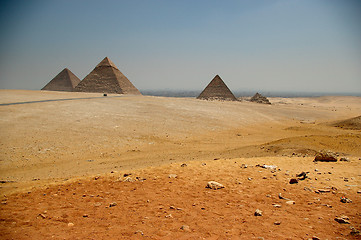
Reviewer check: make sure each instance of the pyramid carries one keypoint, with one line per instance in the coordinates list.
(258, 98)
(217, 90)
(106, 78)
(64, 81)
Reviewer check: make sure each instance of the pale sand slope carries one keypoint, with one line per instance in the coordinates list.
(66, 139)
(150, 137)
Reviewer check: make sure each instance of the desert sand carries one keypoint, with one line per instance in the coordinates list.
(84, 166)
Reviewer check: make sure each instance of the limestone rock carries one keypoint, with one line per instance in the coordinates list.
(214, 185)
(258, 212)
(342, 219)
(325, 156)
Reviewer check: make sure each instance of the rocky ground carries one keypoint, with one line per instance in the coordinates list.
(138, 167)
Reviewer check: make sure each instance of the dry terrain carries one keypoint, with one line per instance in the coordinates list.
(84, 166)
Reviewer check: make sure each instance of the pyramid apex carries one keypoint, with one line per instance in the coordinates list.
(106, 62)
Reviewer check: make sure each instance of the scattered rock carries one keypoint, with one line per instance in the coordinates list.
(244, 166)
(214, 185)
(344, 159)
(258, 212)
(342, 219)
(43, 216)
(183, 165)
(315, 238)
(322, 191)
(113, 204)
(280, 197)
(169, 216)
(185, 228)
(277, 206)
(85, 215)
(345, 200)
(172, 176)
(293, 181)
(139, 232)
(325, 156)
(359, 191)
(70, 224)
(302, 175)
(277, 223)
(128, 179)
(271, 167)
(354, 232)
(290, 202)
(249, 179)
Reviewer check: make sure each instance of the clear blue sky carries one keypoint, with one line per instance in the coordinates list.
(263, 45)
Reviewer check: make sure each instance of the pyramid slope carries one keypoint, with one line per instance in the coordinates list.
(217, 89)
(106, 78)
(64, 81)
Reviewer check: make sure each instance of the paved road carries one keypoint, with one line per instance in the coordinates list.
(52, 100)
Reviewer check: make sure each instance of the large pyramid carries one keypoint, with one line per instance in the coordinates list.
(106, 78)
(217, 90)
(64, 81)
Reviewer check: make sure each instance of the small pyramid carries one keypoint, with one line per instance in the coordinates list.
(106, 78)
(217, 90)
(64, 81)
(258, 98)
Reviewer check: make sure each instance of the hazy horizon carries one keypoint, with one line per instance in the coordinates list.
(268, 46)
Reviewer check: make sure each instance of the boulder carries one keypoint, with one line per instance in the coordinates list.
(325, 156)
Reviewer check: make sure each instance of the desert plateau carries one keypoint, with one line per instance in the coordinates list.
(77, 165)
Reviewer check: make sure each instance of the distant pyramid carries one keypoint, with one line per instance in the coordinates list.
(258, 98)
(106, 78)
(217, 90)
(64, 81)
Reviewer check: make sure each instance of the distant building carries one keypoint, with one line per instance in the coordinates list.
(64, 81)
(217, 90)
(106, 78)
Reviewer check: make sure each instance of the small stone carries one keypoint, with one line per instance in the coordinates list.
(185, 228)
(343, 219)
(70, 224)
(183, 165)
(315, 238)
(139, 232)
(277, 223)
(344, 159)
(354, 232)
(204, 164)
(277, 206)
(359, 191)
(128, 179)
(345, 200)
(113, 204)
(249, 179)
(322, 191)
(293, 181)
(85, 215)
(169, 216)
(172, 207)
(290, 202)
(244, 166)
(42, 216)
(258, 212)
(172, 176)
(214, 185)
